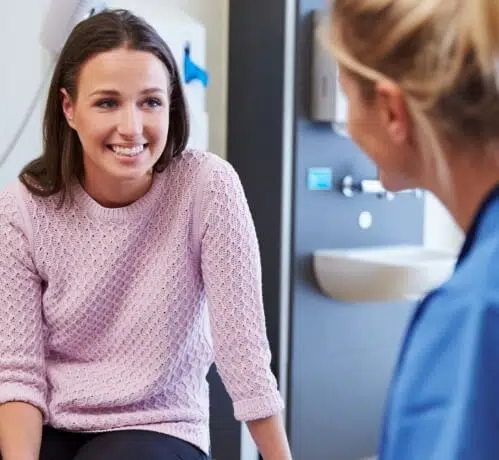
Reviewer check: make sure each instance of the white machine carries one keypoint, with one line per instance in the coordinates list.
(62, 16)
(183, 34)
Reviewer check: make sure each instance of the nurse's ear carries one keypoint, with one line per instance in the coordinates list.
(395, 116)
(68, 107)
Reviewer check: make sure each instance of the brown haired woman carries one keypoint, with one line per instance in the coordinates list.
(420, 77)
(128, 265)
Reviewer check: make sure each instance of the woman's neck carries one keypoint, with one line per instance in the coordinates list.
(117, 193)
(467, 186)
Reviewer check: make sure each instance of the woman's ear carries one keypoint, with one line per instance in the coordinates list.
(67, 107)
(394, 112)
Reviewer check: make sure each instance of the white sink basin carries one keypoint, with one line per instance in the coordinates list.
(381, 274)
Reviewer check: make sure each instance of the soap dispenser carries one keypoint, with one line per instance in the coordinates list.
(327, 101)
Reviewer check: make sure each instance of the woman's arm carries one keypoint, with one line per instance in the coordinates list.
(270, 438)
(20, 431)
(230, 264)
(22, 365)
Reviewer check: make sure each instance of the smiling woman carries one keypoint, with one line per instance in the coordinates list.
(122, 126)
(129, 266)
(117, 88)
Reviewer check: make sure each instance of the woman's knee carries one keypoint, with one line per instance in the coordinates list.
(138, 445)
(60, 445)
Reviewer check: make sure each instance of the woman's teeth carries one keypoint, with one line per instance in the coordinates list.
(127, 151)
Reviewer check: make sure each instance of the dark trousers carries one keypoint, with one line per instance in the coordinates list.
(117, 445)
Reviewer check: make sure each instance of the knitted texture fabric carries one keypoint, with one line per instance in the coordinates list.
(112, 317)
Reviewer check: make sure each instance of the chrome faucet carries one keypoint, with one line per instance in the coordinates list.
(349, 188)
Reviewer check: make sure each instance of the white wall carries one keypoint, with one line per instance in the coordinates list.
(25, 63)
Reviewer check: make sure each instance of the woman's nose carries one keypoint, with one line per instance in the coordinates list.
(130, 123)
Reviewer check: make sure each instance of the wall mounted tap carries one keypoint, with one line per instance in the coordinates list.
(349, 187)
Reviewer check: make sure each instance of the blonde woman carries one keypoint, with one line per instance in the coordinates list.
(420, 79)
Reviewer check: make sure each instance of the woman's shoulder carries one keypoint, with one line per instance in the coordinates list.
(194, 160)
(197, 167)
(19, 202)
(13, 211)
(9, 198)
(474, 281)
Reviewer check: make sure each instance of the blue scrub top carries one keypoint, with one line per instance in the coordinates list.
(443, 403)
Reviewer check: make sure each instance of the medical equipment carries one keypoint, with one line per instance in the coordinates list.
(62, 17)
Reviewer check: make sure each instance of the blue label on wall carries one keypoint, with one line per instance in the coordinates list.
(320, 179)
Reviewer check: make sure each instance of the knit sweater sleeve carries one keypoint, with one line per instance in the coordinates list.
(230, 262)
(22, 372)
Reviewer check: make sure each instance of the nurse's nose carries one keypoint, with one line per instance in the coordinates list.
(130, 122)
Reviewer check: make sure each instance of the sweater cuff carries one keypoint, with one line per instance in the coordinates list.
(258, 408)
(17, 392)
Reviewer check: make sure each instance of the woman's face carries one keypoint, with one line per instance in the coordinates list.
(381, 127)
(121, 115)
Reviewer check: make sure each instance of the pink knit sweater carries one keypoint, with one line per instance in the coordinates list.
(111, 318)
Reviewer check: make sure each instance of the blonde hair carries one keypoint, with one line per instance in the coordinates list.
(442, 54)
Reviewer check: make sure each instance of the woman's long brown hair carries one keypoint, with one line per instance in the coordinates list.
(61, 160)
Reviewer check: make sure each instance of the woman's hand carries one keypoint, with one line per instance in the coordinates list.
(270, 437)
(20, 431)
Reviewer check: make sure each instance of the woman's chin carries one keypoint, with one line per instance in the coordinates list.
(396, 184)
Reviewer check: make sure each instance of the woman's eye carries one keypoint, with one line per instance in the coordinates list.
(153, 103)
(106, 103)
